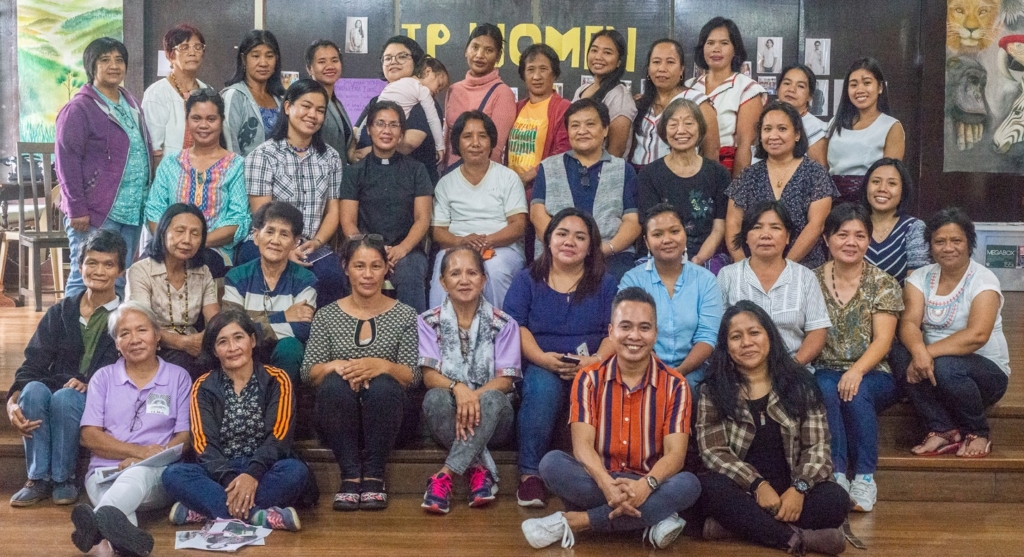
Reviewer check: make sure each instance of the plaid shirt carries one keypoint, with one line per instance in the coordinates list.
(273, 169)
(724, 442)
(631, 425)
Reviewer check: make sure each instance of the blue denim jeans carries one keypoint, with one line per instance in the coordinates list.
(76, 240)
(544, 396)
(568, 479)
(190, 485)
(52, 451)
(854, 424)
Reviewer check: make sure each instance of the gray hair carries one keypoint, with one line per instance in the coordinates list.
(131, 305)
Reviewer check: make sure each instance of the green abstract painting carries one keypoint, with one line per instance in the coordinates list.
(52, 35)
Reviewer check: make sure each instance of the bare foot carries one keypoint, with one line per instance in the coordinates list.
(935, 441)
(974, 446)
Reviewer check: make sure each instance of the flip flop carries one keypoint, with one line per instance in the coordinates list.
(968, 439)
(952, 444)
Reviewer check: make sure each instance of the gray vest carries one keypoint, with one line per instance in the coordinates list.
(607, 201)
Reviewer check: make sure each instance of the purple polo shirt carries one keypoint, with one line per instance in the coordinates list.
(156, 412)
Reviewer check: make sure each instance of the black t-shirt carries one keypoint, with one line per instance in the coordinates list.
(700, 198)
(386, 191)
(766, 452)
(426, 153)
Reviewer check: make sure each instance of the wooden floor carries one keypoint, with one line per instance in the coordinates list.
(894, 529)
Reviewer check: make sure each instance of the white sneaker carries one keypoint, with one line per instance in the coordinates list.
(662, 534)
(542, 532)
(843, 482)
(864, 494)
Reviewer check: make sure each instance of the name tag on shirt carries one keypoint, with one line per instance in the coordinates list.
(158, 404)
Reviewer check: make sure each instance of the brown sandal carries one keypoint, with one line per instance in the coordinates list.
(968, 439)
(952, 442)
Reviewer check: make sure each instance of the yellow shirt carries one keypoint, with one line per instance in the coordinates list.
(526, 140)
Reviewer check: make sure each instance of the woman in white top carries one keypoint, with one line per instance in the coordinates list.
(862, 130)
(787, 290)
(797, 90)
(606, 59)
(480, 204)
(664, 84)
(164, 101)
(737, 98)
(956, 358)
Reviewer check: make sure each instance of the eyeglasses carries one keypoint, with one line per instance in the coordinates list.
(137, 420)
(382, 125)
(370, 237)
(204, 92)
(184, 47)
(400, 58)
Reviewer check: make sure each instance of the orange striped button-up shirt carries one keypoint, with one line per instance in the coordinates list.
(631, 424)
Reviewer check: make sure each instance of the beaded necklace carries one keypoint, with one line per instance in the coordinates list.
(181, 329)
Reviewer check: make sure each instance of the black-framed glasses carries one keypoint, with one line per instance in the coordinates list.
(203, 92)
(185, 47)
(137, 419)
(400, 58)
(370, 237)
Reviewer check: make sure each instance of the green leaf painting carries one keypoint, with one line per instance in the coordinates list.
(52, 35)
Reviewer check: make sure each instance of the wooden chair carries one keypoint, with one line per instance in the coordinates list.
(35, 204)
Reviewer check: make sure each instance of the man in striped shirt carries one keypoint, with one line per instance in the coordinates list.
(278, 294)
(630, 422)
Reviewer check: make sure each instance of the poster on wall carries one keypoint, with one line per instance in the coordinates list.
(818, 55)
(51, 39)
(984, 98)
(355, 36)
(769, 57)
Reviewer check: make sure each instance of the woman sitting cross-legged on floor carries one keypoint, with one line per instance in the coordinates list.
(242, 426)
(134, 409)
(762, 432)
(469, 354)
(864, 303)
(361, 359)
(956, 358)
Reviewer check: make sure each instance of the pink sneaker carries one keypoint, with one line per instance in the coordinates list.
(438, 497)
(482, 488)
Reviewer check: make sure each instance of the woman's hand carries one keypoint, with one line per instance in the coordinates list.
(299, 312)
(921, 368)
(849, 384)
(76, 385)
(298, 255)
(192, 344)
(792, 504)
(80, 224)
(766, 498)
(467, 411)
(241, 494)
(19, 421)
(360, 371)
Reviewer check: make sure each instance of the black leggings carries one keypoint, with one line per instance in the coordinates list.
(825, 506)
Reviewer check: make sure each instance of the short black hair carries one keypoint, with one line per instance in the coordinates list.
(489, 30)
(207, 95)
(845, 212)
(539, 49)
(659, 208)
(105, 241)
(317, 45)
(414, 48)
(753, 214)
(377, 107)
(951, 215)
(295, 91)
(635, 294)
(740, 52)
(800, 149)
(478, 259)
(430, 63)
(812, 80)
(278, 210)
(460, 125)
(157, 251)
(906, 196)
(583, 104)
(96, 49)
(208, 356)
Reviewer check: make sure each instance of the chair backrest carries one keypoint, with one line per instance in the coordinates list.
(38, 184)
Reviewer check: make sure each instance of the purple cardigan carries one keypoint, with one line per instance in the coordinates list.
(91, 152)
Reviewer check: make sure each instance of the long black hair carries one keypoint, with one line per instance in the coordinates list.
(252, 39)
(611, 80)
(795, 386)
(646, 101)
(593, 264)
(157, 250)
(906, 187)
(846, 112)
(295, 92)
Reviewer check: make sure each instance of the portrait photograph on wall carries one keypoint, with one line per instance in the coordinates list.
(984, 95)
(769, 54)
(818, 55)
(355, 36)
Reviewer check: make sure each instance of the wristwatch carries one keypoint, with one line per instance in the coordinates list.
(451, 388)
(801, 486)
(652, 482)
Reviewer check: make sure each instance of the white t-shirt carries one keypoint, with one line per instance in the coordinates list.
(852, 152)
(481, 209)
(727, 99)
(945, 315)
(795, 302)
(650, 147)
(165, 115)
(619, 101)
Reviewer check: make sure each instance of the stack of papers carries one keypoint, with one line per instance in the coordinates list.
(222, 535)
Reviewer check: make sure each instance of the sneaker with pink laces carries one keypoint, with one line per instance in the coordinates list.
(438, 497)
(277, 518)
(482, 488)
(180, 514)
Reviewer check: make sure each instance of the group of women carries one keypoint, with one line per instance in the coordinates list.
(728, 186)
